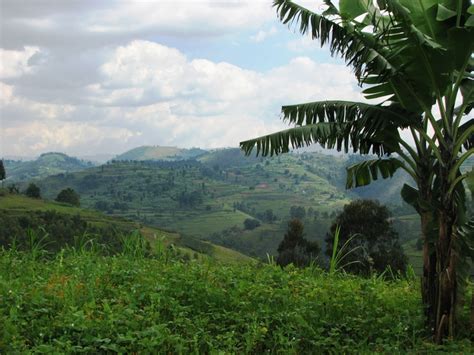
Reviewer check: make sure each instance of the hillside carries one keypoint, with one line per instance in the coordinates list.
(211, 198)
(19, 206)
(45, 165)
(208, 197)
(160, 153)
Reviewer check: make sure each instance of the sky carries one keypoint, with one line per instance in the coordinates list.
(89, 77)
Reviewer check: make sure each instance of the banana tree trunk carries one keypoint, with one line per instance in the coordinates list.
(447, 283)
(439, 279)
(446, 256)
(428, 280)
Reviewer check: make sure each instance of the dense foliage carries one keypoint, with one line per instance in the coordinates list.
(373, 243)
(69, 196)
(33, 191)
(52, 231)
(295, 249)
(85, 303)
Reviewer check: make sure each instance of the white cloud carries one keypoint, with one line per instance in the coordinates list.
(261, 35)
(303, 44)
(148, 93)
(15, 63)
(194, 17)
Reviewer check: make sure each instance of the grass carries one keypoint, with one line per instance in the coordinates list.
(86, 303)
(21, 205)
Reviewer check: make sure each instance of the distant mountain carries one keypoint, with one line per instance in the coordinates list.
(47, 164)
(160, 153)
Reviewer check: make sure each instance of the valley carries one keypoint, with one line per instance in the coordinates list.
(210, 196)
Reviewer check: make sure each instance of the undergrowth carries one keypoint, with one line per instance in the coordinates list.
(81, 301)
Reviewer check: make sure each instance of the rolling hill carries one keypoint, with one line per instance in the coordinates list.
(46, 164)
(160, 153)
(211, 197)
(18, 206)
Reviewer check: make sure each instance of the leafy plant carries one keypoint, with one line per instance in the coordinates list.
(134, 245)
(37, 244)
(96, 304)
(339, 254)
(415, 59)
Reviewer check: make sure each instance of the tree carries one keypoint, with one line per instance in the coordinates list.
(33, 191)
(70, 196)
(251, 223)
(2, 172)
(294, 248)
(415, 59)
(298, 212)
(374, 242)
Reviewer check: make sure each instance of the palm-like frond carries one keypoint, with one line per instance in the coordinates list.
(388, 58)
(348, 111)
(359, 49)
(337, 124)
(364, 173)
(469, 142)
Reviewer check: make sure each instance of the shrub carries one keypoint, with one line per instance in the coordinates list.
(33, 191)
(70, 196)
(251, 223)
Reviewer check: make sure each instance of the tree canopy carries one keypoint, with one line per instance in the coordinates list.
(295, 249)
(373, 239)
(33, 191)
(70, 196)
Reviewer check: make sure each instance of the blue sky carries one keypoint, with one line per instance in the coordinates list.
(86, 77)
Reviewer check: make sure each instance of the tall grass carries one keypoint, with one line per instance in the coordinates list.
(37, 242)
(338, 256)
(134, 245)
(86, 243)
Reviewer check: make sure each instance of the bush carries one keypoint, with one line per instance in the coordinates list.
(251, 223)
(69, 196)
(33, 191)
(62, 230)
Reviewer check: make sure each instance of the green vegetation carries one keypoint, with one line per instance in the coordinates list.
(70, 196)
(365, 229)
(82, 302)
(206, 198)
(401, 52)
(2, 172)
(160, 153)
(65, 225)
(295, 249)
(33, 191)
(47, 164)
(209, 197)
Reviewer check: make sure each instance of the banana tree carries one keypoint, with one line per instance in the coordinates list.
(414, 62)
